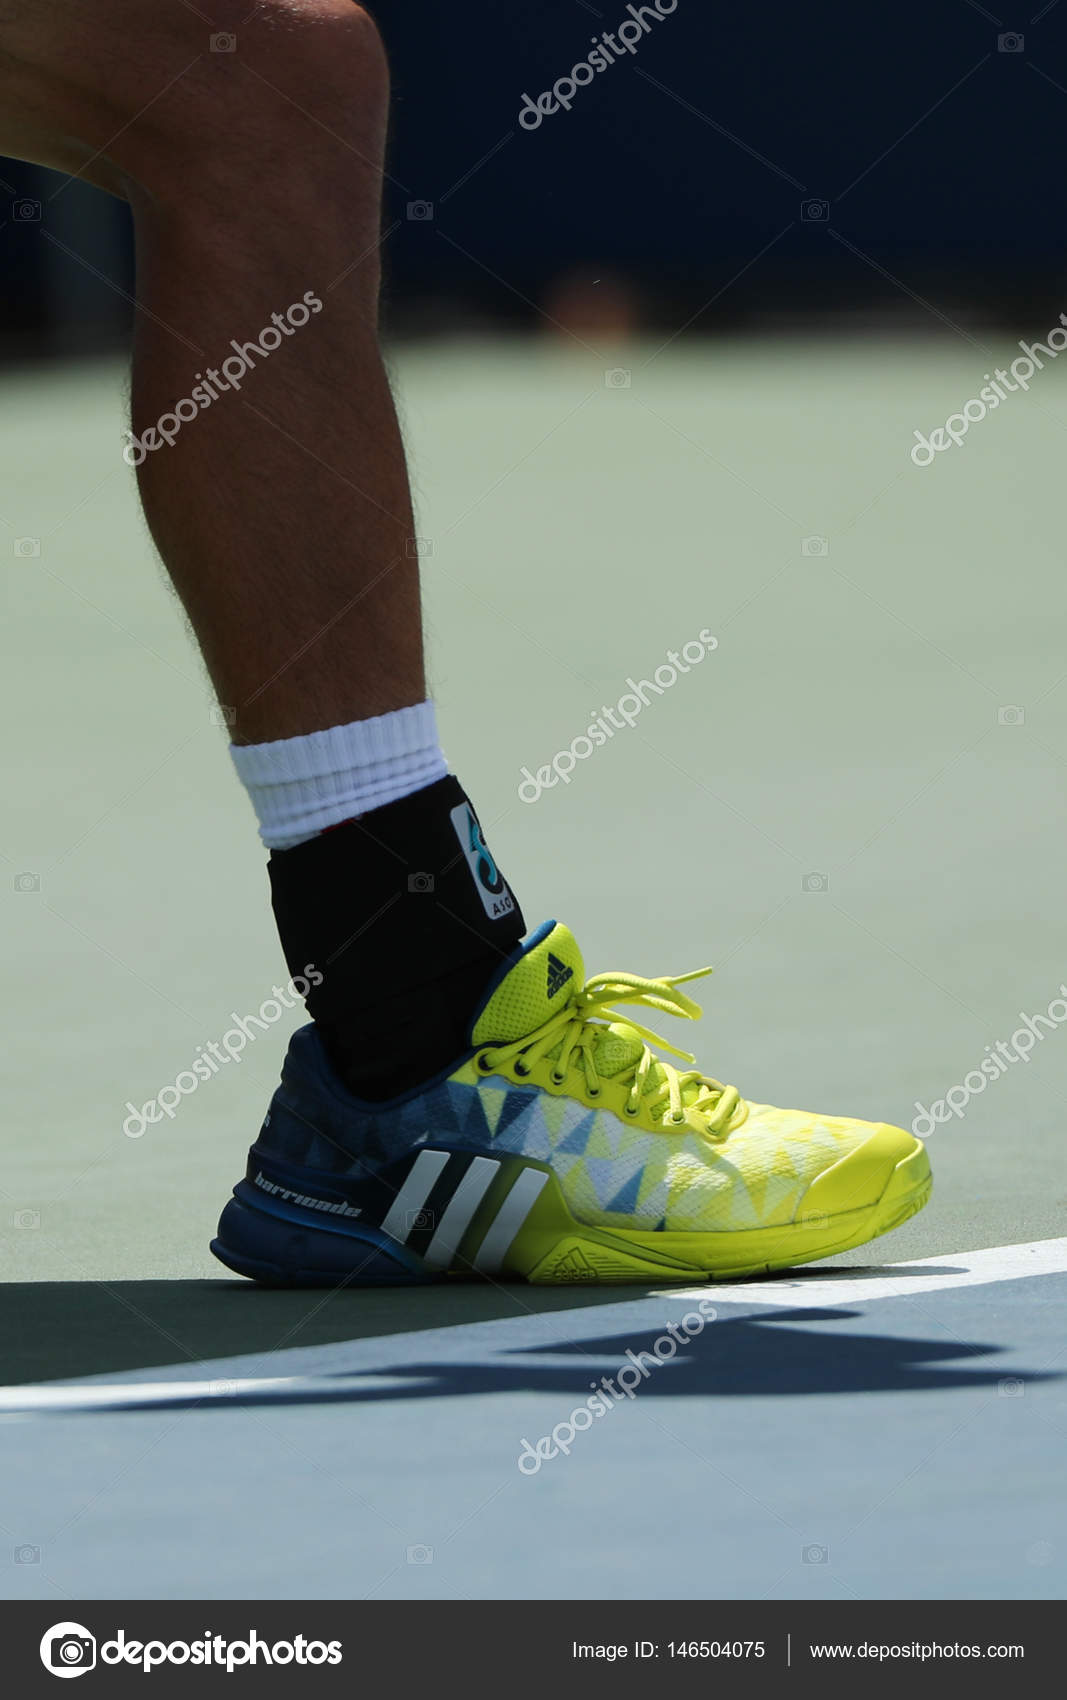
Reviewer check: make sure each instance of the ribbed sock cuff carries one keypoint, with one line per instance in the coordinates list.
(301, 786)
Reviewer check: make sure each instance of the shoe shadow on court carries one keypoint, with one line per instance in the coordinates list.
(69, 1330)
(60, 1330)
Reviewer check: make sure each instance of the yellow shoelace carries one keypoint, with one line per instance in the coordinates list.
(575, 1028)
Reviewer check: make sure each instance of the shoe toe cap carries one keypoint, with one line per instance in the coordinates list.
(866, 1174)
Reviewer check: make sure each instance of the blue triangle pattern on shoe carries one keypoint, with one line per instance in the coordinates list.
(604, 1173)
(466, 1113)
(526, 1132)
(625, 1199)
(515, 1103)
(578, 1138)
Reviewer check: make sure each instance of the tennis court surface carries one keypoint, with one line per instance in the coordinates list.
(852, 808)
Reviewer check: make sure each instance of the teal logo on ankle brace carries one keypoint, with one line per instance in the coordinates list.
(497, 900)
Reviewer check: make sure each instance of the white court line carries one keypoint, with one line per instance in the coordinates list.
(964, 1269)
(130, 1394)
(364, 1361)
(85, 1398)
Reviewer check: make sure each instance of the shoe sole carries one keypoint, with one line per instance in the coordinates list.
(873, 1190)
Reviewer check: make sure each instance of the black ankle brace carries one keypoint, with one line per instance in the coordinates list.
(406, 917)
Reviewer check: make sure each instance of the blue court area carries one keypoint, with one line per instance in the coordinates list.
(877, 1434)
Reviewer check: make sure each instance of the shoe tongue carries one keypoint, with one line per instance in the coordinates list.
(543, 980)
(618, 1048)
(546, 976)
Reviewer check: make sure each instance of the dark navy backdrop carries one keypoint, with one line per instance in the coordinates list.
(940, 155)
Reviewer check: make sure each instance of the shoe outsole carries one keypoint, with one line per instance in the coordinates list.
(293, 1250)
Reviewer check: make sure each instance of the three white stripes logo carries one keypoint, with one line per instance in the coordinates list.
(407, 1214)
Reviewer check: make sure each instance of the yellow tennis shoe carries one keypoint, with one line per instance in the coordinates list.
(559, 1149)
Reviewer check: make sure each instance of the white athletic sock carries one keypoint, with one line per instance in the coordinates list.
(300, 786)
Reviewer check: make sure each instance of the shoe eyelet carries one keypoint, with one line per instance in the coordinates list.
(483, 1063)
(627, 1111)
(677, 1121)
(592, 1091)
(521, 1072)
(558, 1079)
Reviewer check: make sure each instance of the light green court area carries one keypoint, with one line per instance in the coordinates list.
(852, 807)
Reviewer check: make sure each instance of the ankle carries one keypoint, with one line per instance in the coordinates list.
(406, 918)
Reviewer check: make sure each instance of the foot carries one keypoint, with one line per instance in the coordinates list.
(559, 1149)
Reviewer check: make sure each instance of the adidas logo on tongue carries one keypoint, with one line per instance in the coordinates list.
(558, 974)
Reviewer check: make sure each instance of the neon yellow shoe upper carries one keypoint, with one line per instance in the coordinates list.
(636, 1143)
(560, 1149)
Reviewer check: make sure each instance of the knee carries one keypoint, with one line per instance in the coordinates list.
(322, 60)
(293, 97)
